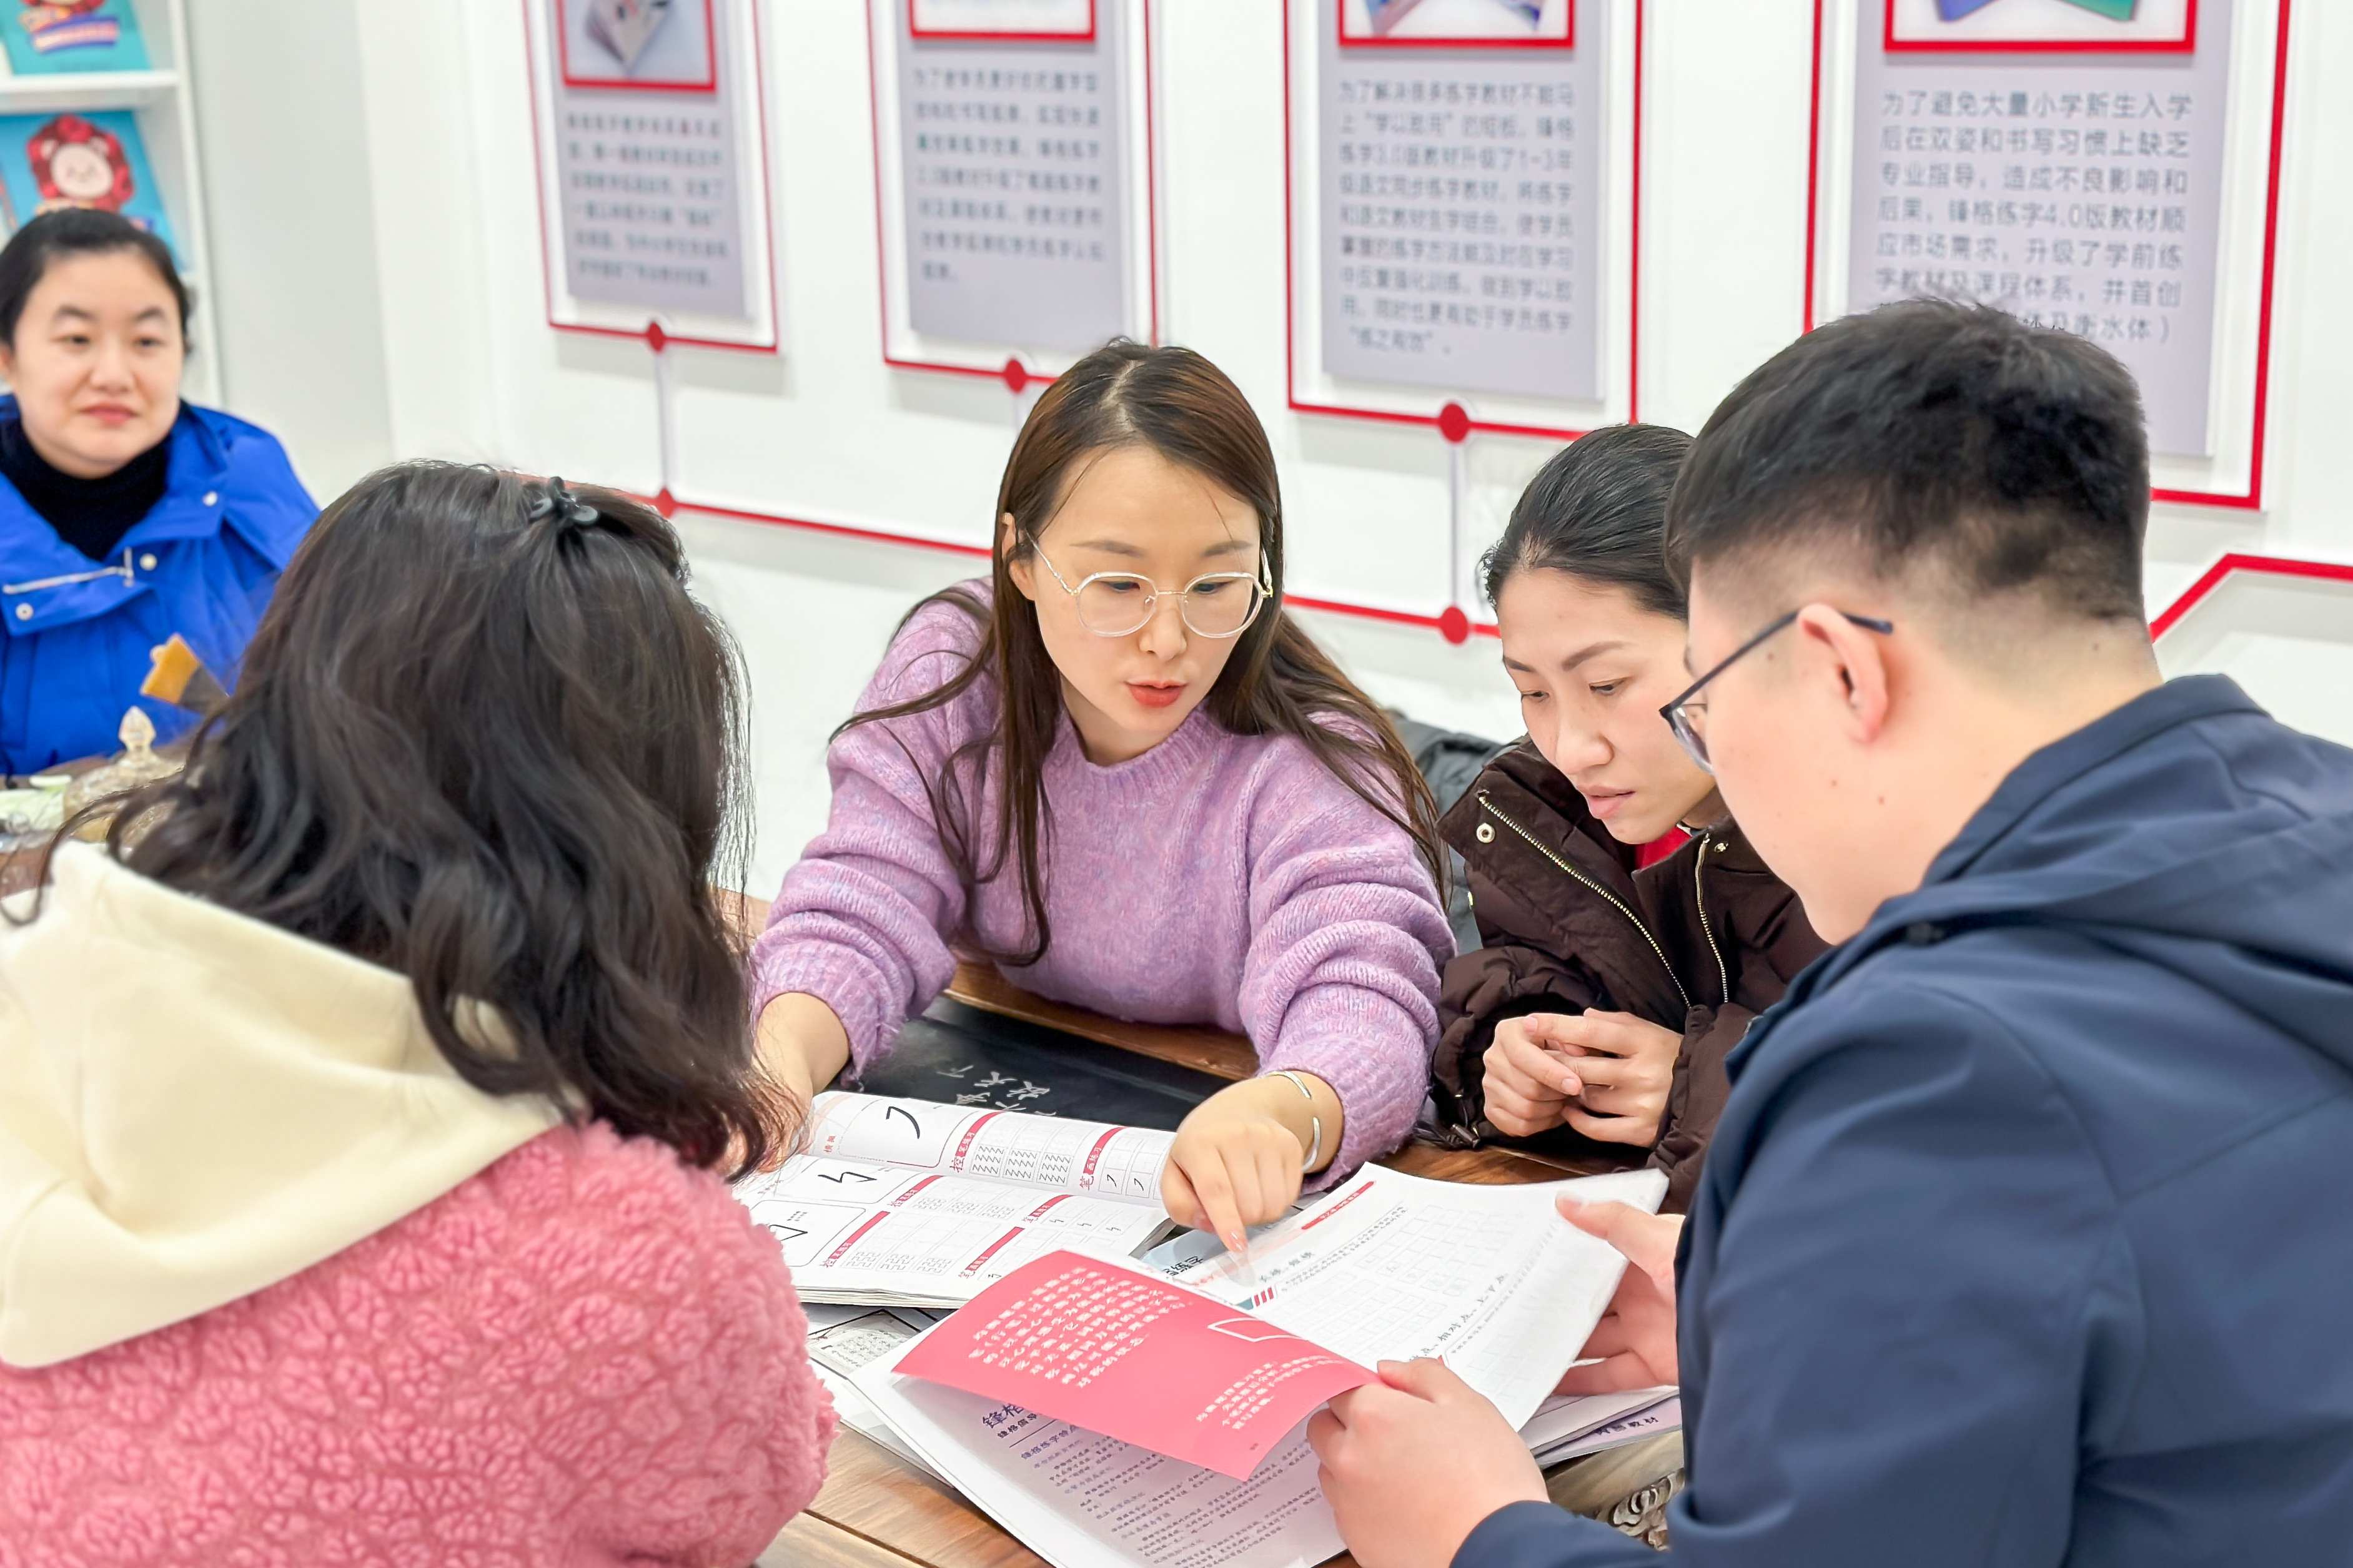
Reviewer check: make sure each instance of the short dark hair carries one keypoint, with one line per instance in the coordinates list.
(25, 259)
(1598, 510)
(2008, 458)
(485, 738)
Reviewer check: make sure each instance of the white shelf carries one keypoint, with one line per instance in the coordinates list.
(86, 89)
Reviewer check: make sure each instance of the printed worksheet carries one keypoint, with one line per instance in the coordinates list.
(1090, 1157)
(909, 1203)
(842, 1340)
(1396, 1266)
(1361, 1274)
(1120, 1351)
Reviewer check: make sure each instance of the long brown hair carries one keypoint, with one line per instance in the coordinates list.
(485, 737)
(1276, 682)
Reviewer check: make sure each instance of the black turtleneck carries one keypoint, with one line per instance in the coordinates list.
(91, 515)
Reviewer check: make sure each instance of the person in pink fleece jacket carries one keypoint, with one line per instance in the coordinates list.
(1120, 770)
(360, 1096)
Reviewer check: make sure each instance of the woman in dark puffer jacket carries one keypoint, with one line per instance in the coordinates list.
(1595, 1020)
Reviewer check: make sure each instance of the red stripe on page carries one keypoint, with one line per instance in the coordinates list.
(835, 1255)
(910, 1191)
(964, 1145)
(1039, 1211)
(1095, 1156)
(1362, 1188)
(993, 1248)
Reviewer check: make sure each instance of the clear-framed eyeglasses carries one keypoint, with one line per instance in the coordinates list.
(1214, 605)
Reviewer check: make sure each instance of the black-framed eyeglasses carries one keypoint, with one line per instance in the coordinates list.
(1677, 714)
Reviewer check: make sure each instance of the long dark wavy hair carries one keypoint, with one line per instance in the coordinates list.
(1276, 682)
(484, 737)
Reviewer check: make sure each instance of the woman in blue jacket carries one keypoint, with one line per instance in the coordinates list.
(126, 515)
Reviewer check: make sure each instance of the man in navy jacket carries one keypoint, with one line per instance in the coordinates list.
(2023, 1240)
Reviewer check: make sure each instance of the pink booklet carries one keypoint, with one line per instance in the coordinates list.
(1127, 1354)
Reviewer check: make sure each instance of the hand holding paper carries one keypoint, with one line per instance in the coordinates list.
(1412, 1463)
(1635, 1340)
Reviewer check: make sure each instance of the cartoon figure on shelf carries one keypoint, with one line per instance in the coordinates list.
(68, 25)
(78, 165)
(94, 160)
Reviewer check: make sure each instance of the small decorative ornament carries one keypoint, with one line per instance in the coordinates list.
(137, 766)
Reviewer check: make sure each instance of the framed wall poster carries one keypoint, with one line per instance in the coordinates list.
(2114, 182)
(1015, 182)
(1463, 218)
(649, 146)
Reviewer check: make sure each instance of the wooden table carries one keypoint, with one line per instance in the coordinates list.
(877, 1510)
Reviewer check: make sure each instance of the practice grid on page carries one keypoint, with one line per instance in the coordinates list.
(1391, 1266)
(1080, 1489)
(955, 1238)
(1082, 1499)
(1005, 1146)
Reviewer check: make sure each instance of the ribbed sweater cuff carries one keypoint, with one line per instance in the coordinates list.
(843, 982)
(1375, 1059)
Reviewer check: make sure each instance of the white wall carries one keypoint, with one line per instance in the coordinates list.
(828, 433)
(282, 144)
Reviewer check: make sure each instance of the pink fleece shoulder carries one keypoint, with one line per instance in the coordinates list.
(585, 1354)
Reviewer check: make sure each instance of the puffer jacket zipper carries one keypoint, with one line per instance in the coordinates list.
(1707, 841)
(1614, 902)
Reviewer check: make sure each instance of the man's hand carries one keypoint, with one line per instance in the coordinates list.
(1413, 1463)
(1635, 1340)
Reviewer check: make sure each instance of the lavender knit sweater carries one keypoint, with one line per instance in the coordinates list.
(1217, 878)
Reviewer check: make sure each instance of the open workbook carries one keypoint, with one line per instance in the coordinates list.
(911, 1203)
(1387, 1267)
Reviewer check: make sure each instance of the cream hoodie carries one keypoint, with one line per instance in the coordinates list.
(194, 1106)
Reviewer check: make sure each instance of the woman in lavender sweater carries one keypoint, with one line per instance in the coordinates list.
(1120, 770)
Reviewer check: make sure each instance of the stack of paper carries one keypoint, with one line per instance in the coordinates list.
(841, 1341)
(1388, 1267)
(1565, 1428)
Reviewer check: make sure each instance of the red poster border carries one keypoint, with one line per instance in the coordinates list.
(2236, 561)
(1014, 373)
(652, 333)
(1451, 420)
(2252, 500)
(2225, 567)
(2185, 44)
(1567, 40)
(968, 36)
(710, 82)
